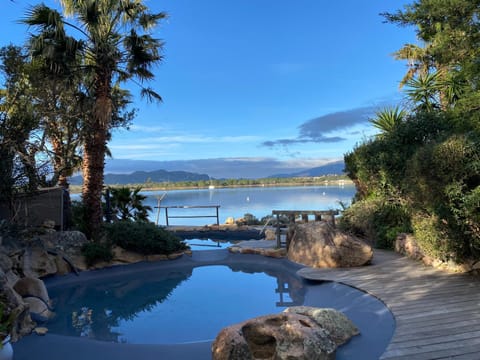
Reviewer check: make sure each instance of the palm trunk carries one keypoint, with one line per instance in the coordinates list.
(94, 156)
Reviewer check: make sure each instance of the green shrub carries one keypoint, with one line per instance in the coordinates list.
(249, 219)
(95, 252)
(376, 219)
(431, 236)
(143, 238)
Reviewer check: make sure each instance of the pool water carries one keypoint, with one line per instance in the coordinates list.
(156, 308)
(208, 244)
(178, 307)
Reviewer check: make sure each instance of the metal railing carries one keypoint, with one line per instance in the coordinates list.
(189, 216)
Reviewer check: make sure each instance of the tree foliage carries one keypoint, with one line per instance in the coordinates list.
(114, 44)
(428, 165)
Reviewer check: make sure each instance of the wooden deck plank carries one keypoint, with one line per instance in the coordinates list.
(437, 314)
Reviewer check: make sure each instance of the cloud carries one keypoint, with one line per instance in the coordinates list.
(317, 130)
(287, 142)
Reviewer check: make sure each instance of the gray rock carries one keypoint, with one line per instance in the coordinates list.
(39, 309)
(280, 336)
(29, 286)
(68, 242)
(319, 244)
(340, 328)
(36, 262)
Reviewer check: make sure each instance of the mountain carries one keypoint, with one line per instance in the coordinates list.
(218, 168)
(140, 177)
(333, 168)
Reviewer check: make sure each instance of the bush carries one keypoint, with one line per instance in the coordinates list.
(249, 219)
(143, 238)
(431, 237)
(376, 219)
(96, 252)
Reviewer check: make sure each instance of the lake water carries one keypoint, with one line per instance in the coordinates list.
(236, 202)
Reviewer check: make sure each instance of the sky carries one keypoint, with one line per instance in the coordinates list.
(262, 82)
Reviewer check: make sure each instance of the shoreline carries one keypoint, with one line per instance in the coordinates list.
(77, 189)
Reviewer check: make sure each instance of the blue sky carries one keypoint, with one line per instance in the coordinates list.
(260, 80)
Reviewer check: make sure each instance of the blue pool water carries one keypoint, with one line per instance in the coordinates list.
(182, 306)
(209, 244)
(186, 302)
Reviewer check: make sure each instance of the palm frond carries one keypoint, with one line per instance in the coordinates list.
(387, 119)
(150, 95)
(45, 18)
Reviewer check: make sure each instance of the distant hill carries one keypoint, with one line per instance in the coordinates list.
(333, 168)
(141, 177)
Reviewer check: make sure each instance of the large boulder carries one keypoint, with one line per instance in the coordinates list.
(39, 309)
(36, 262)
(339, 327)
(32, 287)
(319, 244)
(69, 243)
(17, 309)
(279, 336)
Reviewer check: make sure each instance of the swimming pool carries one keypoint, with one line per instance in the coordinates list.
(174, 309)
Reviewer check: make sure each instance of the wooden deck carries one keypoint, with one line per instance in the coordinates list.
(437, 314)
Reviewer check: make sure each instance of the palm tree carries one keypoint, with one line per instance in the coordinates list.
(115, 45)
(387, 119)
(128, 205)
(419, 61)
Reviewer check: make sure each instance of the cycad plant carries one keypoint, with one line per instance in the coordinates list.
(127, 204)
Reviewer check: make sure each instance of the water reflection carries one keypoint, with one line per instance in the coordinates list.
(190, 304)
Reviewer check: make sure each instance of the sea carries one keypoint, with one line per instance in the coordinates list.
(236, 202)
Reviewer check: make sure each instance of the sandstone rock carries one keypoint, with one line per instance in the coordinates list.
(230, 221)
(121, 255)
(279, 336)
(39, 310)
(40, 330)
(63, 267)
(340, 328)
(29, 286)
(18, 310)
(36, 262)
(319, 244)
(270, 234)
(406, 244)
(67, 242)
(275, 253)
(158, 257)
(174, 256)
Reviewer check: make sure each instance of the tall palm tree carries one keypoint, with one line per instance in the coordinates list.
(116, 45)
(419, 61)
